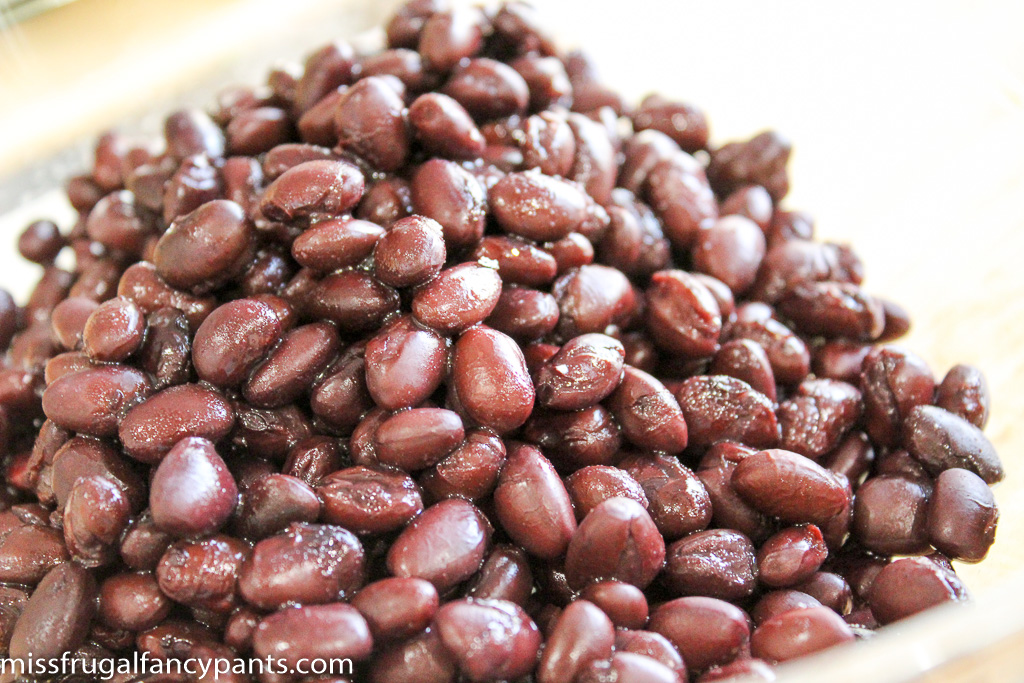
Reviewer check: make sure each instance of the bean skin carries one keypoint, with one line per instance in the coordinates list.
(789, 486)
(192, 493)
(341, 632)
(28, 552)
(597, 549)
(411, 253)
(532, 504)
(791, 556)
(524, 314)
(519, 261)
(233, 339)
(114, 331)
(56, 618)
(132, 602)
(910, 585)
(964, 392)
(941, 440)
(817, 416)
(95, 515)
(306, 563)
(648, 412)
(151, 428)
(679, 502)
(625, 604)
(458, 298)
(581, 635)
(536, 206)
(270, 504)
(396, 608)
(833, 309)
(369, 501)
(329, 187)
(682, 316)
(417, 439)
(489, 639)
(92, 401)
(747, 361)
(777, 602)
(421, 659)
(355, 301)
(678, 191)
(585, 371)
(491, 379)
(706, 631)
(731, 249)
(799, 632)
(445, 545)
(788, 354)
(336, 243)
(202, 573)
(962, 516)
(717, 563)
(721, 408)
(488, 89)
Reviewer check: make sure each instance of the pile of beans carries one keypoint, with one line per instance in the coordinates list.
(447, 360)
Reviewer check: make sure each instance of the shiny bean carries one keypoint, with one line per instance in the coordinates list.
(417, 439)
(940, 440)
(777, 602)
(369, 501)
(396, 608)
(682, 315)
(93, 401)
(799, 632)
(270, 504)
(445, 545)
(537, 206)
(29, 551)
(964, 392)
(574, 440)
(458, 298)
(721, 408)
(335, 243)
(585, 371)
(590, 486)
(56, 618)
(717, 563)
(204, 248)
(591, 298)
(678, 191)
(731, 249)
(488, 89)
(114, 330)
(233, 339)
(910, 585)
(816, 418)
(581, 635)
(892, 381)
(747, 361)
(532, 504)
(444, 127)
(341, 633)
(962, 515)
(890, 515)
(327, 187)
(355, 301)
(489, 639)
(202, 573)
(95, 515)
(491, 379)
(791, 556)
(598, 547)
(789, 486)
(150, 429)
(132, 602)
(421, 659)
(411, 253)
(706, 631)
(470, 471)
(506, 575)
(449, 194)
(289, 370)
(679, 502)
(787, 353)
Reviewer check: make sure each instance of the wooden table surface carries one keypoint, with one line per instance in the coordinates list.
(907, 120)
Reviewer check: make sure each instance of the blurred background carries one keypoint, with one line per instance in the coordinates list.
(907, 120)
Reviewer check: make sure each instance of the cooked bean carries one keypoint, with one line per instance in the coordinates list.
(964, 392)
(488, 89)
(679, 502)
(799, 632)
(335, 243)
(892, 381)
(233, 339)
(396, 608)
(817, 416)
(941, 440)
(962, 515)
(678, 191)
(585, 371)
(833, 309)
(491, 379)
(369, 501)
(202, 573)
(204, 248)
(591, 298)
(890, 515)
(56, 618)
(93, 401)
(787, 353)
(132, 602)
(289, 370)
(270, 504)
(150, 429)
(617, 540)
(706, 631)
(327, 187)
(717, 563)
(731, 249)
(747, 361)
(581, 635)
(592, 485)
(341, 633)
(682, 316)
(524, 314)
(777, 602)
(452, 196)
(910, 585)
(192, 492)
(418, 438)
(791, 556)
(489, 639)
(95, 515)
(355, 301)
(532, 504)
(470, 471)
(458, 298)
(537, 206)
(445, 545)
(789, 486)
(721, 408)
(505, 575)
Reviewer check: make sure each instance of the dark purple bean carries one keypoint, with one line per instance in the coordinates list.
(417, 439)
(524, 314)
(964, 392)
(791, 487)
(233, 339)
(706, 631)
(940, 440)
(396, 608)
(336, 243)
(405, 364)
(56, 618)
(574, 440)
(537, 206)
(118, 223)
(458, 298)
(653, 645)
(581, 635)
(327, 187)
(258, 130)
(293, 366)
(444, 127)
(191, 131)
(331, 66)
(29, 551)
(679, 503)
(717, 563)
(270, 504)
(682, 315)
(833, 309)
(204, 248)
(760, 160)
(68, 320)
(518, 261)
(369, 501)
(777, 602)
(488, 89)
(628, 667)
(506, 575)
(449, 37)
(312, 459)
(306, 563)
(787, 353)
(890, 515)
(445, 545)
(95, 515)
(195, 182)
(731, 250)
(746, 360)
(799, 632)
(598, 549)
(40, 242)
(491, 380)
(547, 144)
(721, 408)
(132, 602)
(152, 427)
(911, 585)
(585, 371)
(356, 301)
(591, 298)
(685, 124)
(192, 492)
(649, 414)
(489, 639)
(831, 590)
(791, 556)
(341, 633)
(142, 544)
(962, 516)
(893, 381)
(470, 471)
(421, 659)
(449, 194)
(590, 486)
(532, 504)
(202, 573)
(411, 253)
(166, 354)
(93, 401)
(816, 418)
(370, 122)
(678, 191)
(114, 330)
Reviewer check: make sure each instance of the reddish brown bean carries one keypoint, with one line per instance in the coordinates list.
(355, 301)
(192, 492)
(787, 353)
(747, 361)
(721, 408)
(421, 659)
(132, 602)
(777, 602)
(799, 632)
(537, 206)
(444, 127)
(962, 516)
(491, 380)
(585, 371)
(717, 563)
(95, 515)
(940, 440)
(56, 618)
(532, 504)
(204, 248)
(68, 320)
(789, 486)
(470, 471)
(581, 635)
(817, 416)
(524, 314)
(890, 515)
(458, 298)
(449, 194)
(625, 604)
(418, 438)
(411, 253)
(591, 298)
(679, 502)
(152, 427)
(445, 545)
(397, 608)
(341, 633)
(598, 549)
(335, 243)
(731, 249)
(590, 486)
(893, 381)
(706, 631)
(270, 504)
(519, 261)
(202, 573)
(911, 585)
(506, 575)
(488, 89)
(964, 392)
(682, 316)
(574, 440)
(791, 556)
(93, 401)
(233, 339)
(313, 187)
(489, 639)
(296, 362)
(369, 501)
